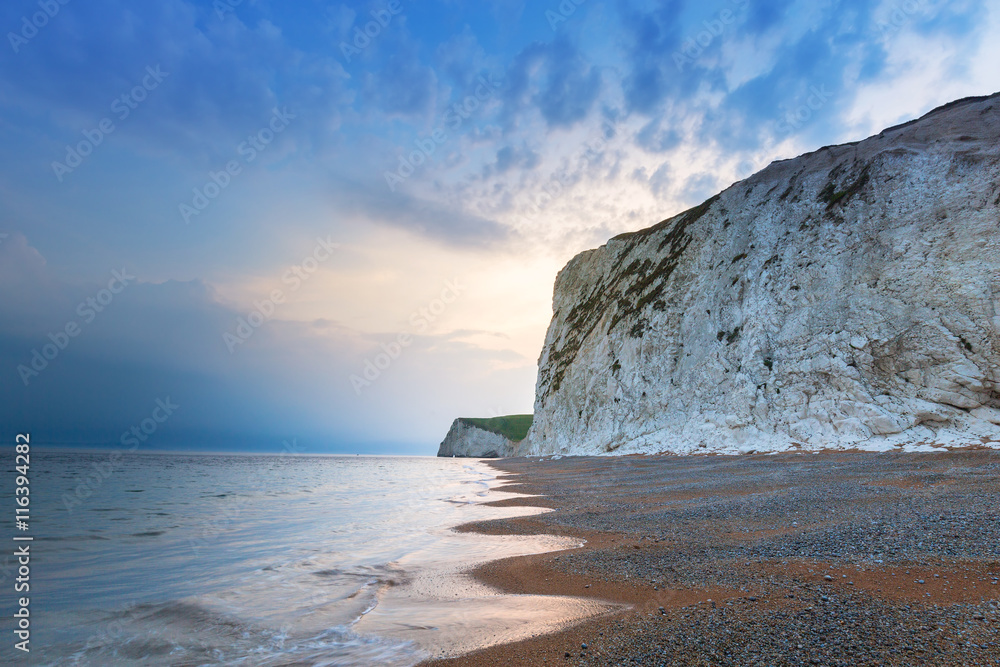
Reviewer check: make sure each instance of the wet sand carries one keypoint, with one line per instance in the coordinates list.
(843, 558)
(441, 609)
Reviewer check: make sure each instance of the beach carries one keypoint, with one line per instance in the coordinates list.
(208, 559)
(833, 558)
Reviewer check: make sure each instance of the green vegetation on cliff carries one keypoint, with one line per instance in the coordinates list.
(512, 427)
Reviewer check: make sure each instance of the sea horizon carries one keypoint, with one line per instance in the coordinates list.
(107, 449)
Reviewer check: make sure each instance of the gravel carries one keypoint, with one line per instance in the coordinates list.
(765, 527)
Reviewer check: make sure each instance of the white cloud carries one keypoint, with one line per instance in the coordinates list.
(925, 71)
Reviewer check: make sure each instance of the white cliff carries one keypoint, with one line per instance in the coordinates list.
(468, 440)
(849, 298)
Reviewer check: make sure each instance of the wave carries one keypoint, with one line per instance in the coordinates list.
(186, 632)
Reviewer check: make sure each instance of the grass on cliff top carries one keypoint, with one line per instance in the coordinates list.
(512, 427)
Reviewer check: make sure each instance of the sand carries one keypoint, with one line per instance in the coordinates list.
(843, 558)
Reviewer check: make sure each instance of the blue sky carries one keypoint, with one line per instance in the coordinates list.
(337, 224)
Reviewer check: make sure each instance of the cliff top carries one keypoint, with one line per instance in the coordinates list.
(512, 427)
(949, 121)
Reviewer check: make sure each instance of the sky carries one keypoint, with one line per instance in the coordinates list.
(334, 227)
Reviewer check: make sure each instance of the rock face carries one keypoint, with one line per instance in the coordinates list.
(467, 440)
(849, 298)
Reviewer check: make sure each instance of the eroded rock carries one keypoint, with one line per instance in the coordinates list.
(847, 298)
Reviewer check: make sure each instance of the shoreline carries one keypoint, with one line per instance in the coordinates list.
(849, 553)
(433, 605)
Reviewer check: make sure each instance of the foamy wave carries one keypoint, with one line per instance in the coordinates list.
(185, 632)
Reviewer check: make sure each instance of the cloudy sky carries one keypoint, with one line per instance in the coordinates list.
(327, 226)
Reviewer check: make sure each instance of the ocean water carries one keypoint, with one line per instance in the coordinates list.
(265, 560)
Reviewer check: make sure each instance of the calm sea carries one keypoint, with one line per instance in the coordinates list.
(263, 560)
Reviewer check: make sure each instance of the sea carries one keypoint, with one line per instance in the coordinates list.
(174, 559)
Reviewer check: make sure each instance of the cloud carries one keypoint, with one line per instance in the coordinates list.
(509, 158)
(596, 129)
(650, 38)
(374, 202)
(461, 59)
(401, 84)
(555, 80)
(25, 283)
(660, 180)
(220, 80)
(156, 340)
(656, 138)
(700, 187)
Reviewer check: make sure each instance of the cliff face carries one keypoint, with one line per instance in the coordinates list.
(847, 298)
(471, 441)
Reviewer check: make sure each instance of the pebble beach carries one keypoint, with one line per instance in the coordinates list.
(833, 558)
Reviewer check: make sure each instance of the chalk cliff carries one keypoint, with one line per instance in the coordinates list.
(848, 298)
(468, 440)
